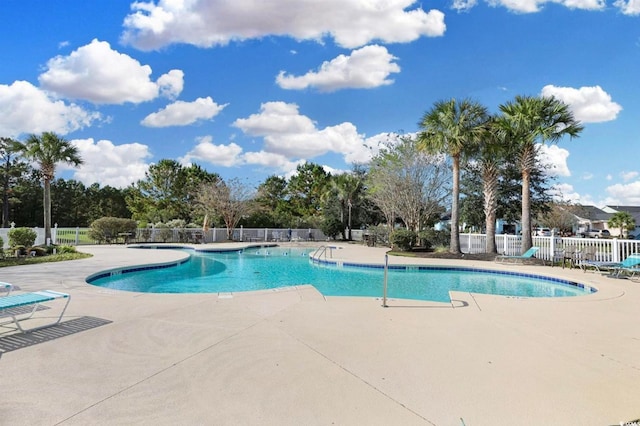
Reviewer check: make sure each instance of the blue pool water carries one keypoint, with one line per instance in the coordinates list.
(268, 268)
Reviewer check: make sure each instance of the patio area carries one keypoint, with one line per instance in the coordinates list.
(293, 356)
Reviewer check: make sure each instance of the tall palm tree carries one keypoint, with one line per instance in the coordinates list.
(452, 127)
(491, 155)
(346, 189)
(526, 123)
(47, 150)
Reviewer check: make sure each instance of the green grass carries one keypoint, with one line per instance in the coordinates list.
(402, 253)
(15, 261)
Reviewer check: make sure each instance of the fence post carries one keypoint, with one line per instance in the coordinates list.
(213, 240)
(266, 233)
(615, 250)
(77, 235)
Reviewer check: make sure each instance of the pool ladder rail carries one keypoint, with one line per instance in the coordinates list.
(322, 250)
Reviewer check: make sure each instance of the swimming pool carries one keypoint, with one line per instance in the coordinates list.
(274, 267)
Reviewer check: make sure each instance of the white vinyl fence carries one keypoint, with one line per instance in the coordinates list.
(79, 236)
(609, 250)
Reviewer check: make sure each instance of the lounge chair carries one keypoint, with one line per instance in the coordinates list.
(6, 287)
(588, 256)
(529, 254)
(629, 266)
(9, 304)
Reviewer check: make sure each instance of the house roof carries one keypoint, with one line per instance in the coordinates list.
(592, 213)
(633, 210)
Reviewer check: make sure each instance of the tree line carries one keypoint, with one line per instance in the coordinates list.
(463, 161)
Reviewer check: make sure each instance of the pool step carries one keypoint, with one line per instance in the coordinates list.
(308, 293)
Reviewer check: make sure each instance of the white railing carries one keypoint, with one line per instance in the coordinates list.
(79, 236)
(609, 250)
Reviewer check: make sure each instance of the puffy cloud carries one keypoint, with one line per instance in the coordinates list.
(109, 164)
(25, 108)
(287, 132)
(589, 104)
(220, 155)
(627, 176)
(463, 5)
(183, 113)
(367, 67)
(530, 6)
(566, 192)
(628, 7)
(272, 160)
(289, 139)
(171, 84)
(627, 194)
(351, 23)
(101, 75)
(555, 158)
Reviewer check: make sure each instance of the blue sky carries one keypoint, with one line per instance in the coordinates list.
(251, 89)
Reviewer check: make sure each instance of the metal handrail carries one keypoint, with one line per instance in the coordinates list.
(322, 250)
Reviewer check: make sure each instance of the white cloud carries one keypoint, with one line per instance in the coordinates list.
(25, 108)
(463, 5)
(366, 68)
(589, 104)
(351, 23)
(566, 192)
(530, 6)
(288, 133)
(627, 194)
(628, 7)
(101, 75)
(109, 164)
(587, 176)
(272, 160)
(184, 113)
(556, 158)
(219, 155)
(627, 176)
(171, 84)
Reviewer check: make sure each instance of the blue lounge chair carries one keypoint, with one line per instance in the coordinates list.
(629, 266)
(615, 268)
(529, 254)
(35, 299)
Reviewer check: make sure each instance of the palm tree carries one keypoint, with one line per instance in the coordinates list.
(47, 150)
(624, 221)
(526, 123)
(491, 155)
(346, 187)
(452, 127)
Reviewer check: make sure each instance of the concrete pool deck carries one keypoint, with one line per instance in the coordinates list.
(293, 357)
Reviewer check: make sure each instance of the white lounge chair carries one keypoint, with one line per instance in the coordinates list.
(6, 287)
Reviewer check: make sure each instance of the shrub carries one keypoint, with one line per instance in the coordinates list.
(380, 233)
(331, 227)
(432, 238)
(163, 232)
(403, 239)
(24, 237)
(61, 249)
(108, 228)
